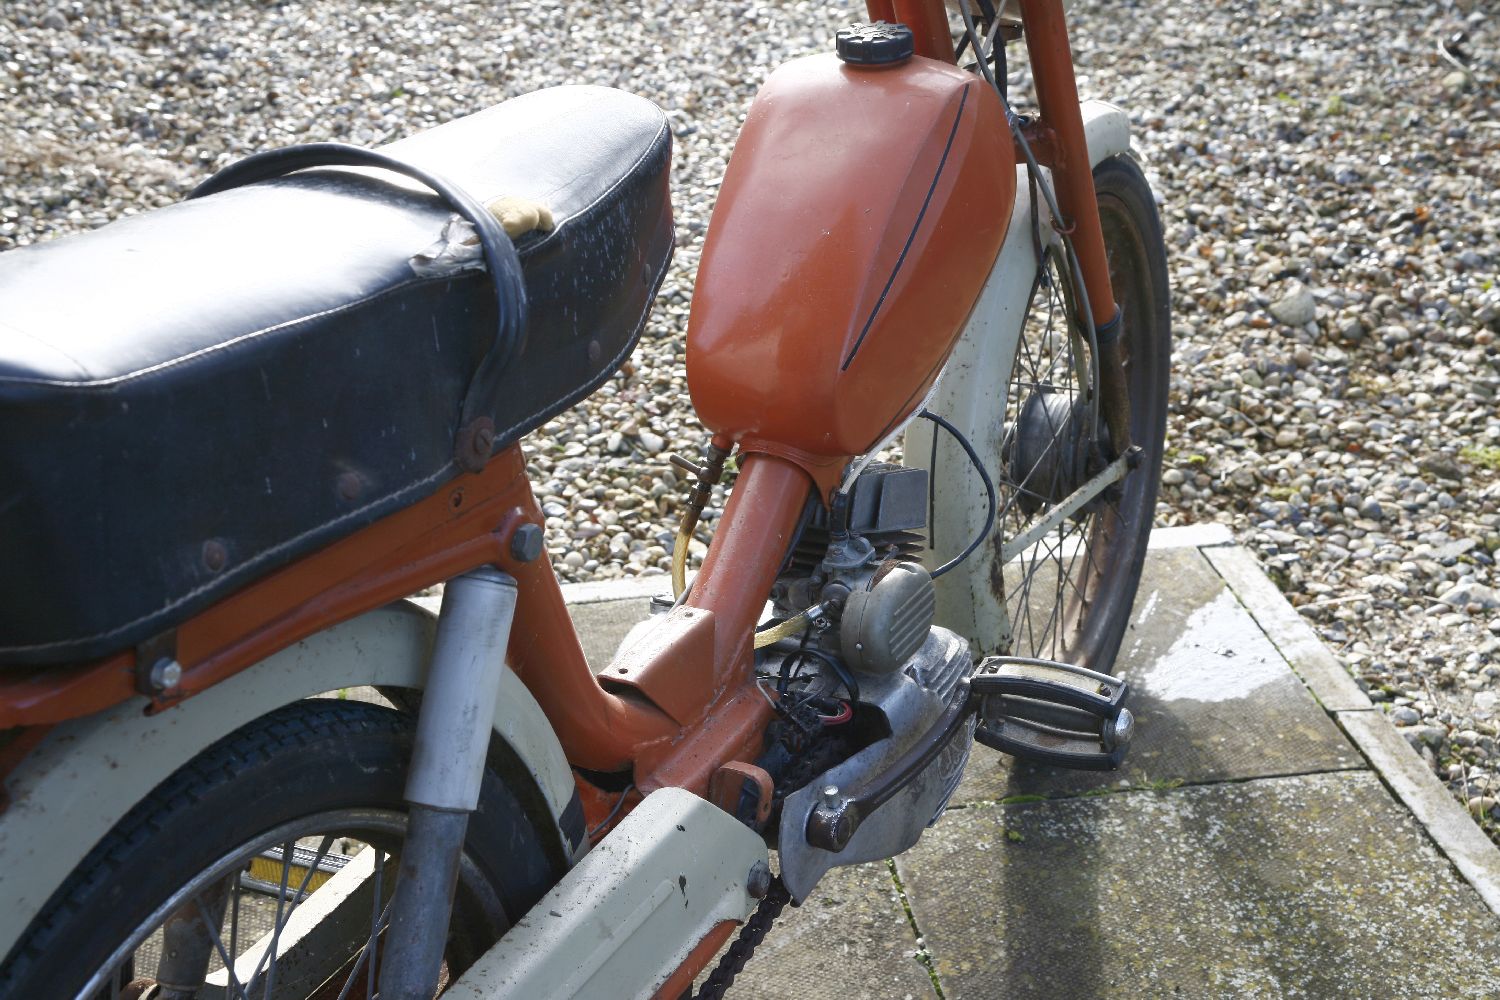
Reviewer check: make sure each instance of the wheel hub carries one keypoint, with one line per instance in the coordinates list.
(1046, 450)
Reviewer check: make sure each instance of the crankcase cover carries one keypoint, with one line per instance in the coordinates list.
(885, 625)
(858, 220)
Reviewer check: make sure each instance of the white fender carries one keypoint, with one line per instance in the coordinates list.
(87, 773)
(972, 397)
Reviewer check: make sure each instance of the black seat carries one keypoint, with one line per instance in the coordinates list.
(194, 397)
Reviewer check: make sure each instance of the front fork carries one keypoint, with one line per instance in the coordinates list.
(442, 787)
(1061, 120)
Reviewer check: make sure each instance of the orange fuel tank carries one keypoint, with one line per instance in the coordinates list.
(860, 216)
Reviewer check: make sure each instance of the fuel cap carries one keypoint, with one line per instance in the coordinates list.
(877, 44)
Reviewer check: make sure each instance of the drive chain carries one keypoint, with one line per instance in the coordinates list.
(751, 935)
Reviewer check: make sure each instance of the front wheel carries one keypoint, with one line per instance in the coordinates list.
(264, 867)
(1068, 596)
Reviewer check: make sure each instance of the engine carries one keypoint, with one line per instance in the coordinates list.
(862, 673)
(874, 600)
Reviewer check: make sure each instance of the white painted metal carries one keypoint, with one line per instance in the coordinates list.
(972, 397)
(88, 773)
(1113, 473)
(627, 915)
(468, 657)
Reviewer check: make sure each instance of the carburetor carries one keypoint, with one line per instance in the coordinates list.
(858, 564)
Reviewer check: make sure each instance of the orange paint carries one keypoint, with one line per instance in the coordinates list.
(855, 227)
(1057, 100)
(928, 21)
(681, 981)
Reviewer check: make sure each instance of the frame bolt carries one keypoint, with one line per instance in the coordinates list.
(831, 797)
(166, 674)
(759, 881)
(526, 543)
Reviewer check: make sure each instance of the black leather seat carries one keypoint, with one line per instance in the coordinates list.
(194, 397)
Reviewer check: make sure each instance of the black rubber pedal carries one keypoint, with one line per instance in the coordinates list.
(1053, 713)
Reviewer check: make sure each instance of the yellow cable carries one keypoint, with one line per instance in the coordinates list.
(786, 629)
(679, 561)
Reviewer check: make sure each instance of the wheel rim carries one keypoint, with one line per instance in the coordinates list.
(1066, 597)
(261, 928)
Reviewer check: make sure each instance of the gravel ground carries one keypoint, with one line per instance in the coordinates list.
(1330, 176)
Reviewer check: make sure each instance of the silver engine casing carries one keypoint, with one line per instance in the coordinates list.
(911, 700)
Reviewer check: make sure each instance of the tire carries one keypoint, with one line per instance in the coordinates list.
(324, 775)
(1070, 597)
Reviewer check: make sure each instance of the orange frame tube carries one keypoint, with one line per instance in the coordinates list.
(1046, 32)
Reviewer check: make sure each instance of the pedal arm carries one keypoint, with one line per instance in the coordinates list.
(833, 823)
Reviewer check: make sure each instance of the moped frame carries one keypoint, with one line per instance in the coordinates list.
(622, 721)
(613, 723)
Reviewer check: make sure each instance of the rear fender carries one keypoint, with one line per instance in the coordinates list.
(87, 774)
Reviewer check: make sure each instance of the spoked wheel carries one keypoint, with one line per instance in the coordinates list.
(1068, 596)
(265, 868)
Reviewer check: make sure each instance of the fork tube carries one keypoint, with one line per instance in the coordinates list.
(927, 19)
(453, 737)
(1057, 99)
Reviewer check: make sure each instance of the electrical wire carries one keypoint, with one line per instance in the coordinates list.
(840, 671)
(989, 489)
(613, 812)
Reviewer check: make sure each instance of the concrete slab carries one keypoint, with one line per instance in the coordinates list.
(1289, 631)
(1311, 886)
(1445, 821)
(602, 624)
(1213, 698)
(851, 939)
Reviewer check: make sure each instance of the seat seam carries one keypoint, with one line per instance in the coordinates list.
(139, 373)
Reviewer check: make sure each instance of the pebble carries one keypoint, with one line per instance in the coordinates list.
(1405, 716)
(1296, 306)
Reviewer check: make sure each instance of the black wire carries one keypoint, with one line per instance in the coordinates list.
(844, 675)
(613, 812)
(989, 488)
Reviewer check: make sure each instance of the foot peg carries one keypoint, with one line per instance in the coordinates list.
(1052, 713)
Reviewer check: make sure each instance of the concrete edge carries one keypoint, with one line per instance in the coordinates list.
(1450, 827)
(1454, 832)
(630, 588)
(1288, 631)
(1191, 536)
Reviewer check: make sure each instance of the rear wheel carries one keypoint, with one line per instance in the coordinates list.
(264, 867)
(1068, 596)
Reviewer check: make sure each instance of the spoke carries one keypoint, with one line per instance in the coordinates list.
(284, 912)
(367, 954)
(234, 930)
(224, 956)
(286, 872)
(374, 942)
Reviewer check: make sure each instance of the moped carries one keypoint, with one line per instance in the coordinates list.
(299, 397)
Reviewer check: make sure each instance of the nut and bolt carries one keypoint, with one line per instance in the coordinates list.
(526, 543)
(759, 881)
(166, 674)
